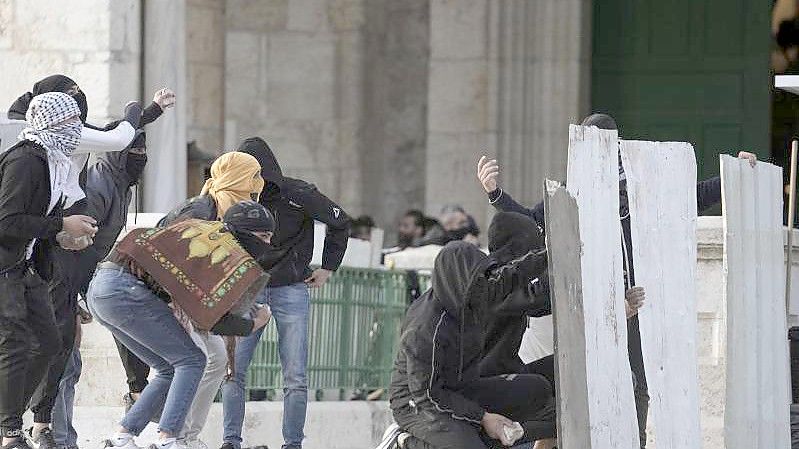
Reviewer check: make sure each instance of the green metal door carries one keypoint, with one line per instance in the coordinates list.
(685, 70)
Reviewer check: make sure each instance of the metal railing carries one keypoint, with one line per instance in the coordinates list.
(353, 333)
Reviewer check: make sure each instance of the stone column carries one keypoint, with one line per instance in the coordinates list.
(165, 65)
(506, 79)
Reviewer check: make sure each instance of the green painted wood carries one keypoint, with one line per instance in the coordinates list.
(685, 70)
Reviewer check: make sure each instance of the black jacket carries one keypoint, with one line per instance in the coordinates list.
(510, 236)
(24, 197)
(295, 205)
(442, 335)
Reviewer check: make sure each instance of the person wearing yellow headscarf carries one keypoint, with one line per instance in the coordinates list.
(235, 177)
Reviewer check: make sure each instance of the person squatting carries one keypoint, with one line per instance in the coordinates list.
(457, 382)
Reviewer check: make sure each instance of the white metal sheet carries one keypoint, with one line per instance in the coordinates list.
(661, 186)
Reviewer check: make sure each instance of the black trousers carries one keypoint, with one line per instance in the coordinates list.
(29, 339)
(135, 369)
(525, 398)
(640, 388)
(65, 307)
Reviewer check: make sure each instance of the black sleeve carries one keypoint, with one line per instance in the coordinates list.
(150, 114)
(503, 202)
(321, 208)
(233, 325)
(425, 380)
(708, 193)
(21, 180)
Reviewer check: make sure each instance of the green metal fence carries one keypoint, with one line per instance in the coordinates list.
(354, 327)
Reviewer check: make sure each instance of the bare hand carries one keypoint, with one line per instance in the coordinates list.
(634, 300)
(165, 98)
(487, 172)
(71, 244)
(494, 426)
(751, 157)
(318, 278)
(79, 226)
(262, 317)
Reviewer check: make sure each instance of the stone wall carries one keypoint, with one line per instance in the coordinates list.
(88, 40)
(293, 75)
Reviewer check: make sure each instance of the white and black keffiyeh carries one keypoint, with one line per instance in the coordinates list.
(54, 123)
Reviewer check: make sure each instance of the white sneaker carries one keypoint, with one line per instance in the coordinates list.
(389, 440)
(126, 444)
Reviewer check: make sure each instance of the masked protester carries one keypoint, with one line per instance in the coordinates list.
(708, 194)
(438, 396)
(107, 185)
(235, 180)
(194, 257)
(297, 204)
(33, 175)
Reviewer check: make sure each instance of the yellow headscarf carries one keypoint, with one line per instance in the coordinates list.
(235, 177)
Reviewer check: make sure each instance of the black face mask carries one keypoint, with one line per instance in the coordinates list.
(405, 240)
(135, 167)
(251, 243)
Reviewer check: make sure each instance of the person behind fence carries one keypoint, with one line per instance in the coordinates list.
(33, 176)
(437, 396)
(235, 179)
(297, 204)
(190, 259)
(708, 194)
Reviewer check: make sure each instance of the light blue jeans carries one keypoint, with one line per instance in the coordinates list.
(64, 434)
(144, 323)
(291, 307)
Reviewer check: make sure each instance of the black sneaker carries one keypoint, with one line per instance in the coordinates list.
(42, 439)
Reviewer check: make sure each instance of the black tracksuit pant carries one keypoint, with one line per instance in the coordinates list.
(65, 306)
(640, 388)
(525, 398)
(29, 339)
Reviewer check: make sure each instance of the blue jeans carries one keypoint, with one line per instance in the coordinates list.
(64, 434)
(144, 323)
(291, 307)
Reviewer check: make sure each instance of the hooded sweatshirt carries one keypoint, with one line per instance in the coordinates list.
(442, 336)
(295, 205)
(511, 236)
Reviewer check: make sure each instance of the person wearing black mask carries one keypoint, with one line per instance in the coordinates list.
(708, 193)
(107, 185)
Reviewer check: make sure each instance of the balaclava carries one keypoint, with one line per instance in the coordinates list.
(136, 159)
(245, 218)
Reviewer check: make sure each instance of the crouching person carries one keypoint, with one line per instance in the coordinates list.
(437, 394)
(159, 287)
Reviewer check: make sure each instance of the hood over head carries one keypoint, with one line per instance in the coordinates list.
(512, 235)
(270, 168)
(246, 218)
(458, 274)
(235, 177)
(601, 121)
(53, 83)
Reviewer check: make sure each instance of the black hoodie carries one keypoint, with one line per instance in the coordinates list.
(442, 336)
(295, 204)
(511, 236)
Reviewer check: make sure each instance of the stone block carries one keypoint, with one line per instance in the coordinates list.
(6, 23)
(346, 15)
(301, 74)
(215, 4)
(450, 178)
(206, 88)
(458, 29)
(125, 28)
(257, 15)
(308, 15)
(209, 141)
(74, 25)
(458, 96)
(29, 68)
(205, 41)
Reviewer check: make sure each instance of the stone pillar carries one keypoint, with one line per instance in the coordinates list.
(393, 135)
(165, 65)
(506, 79)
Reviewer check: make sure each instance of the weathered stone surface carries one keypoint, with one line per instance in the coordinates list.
(457, 96)
(458, 29)
(257, 15)
(205, 39)
(308, 15)
(346, 15)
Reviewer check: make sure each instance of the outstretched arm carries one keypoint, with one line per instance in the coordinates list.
(487, 173)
